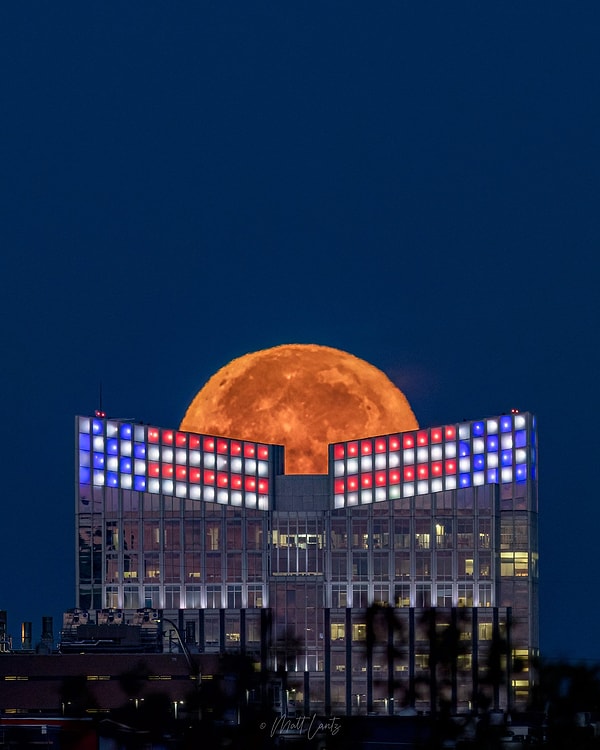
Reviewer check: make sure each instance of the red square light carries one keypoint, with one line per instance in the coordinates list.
(208, 444)
(408, 441)
(338, 451)
(209, 477)
(180, 439)
(167, 437)
(380, 445)
(250, 484)
(394, 476)
(222, 446)
(249, 450)
(194, 441)
(422, 437)
(181, 472)
(423, 471)
(263, 486)
(167, 471)
(236, 448)
(152, 435)
(236, 481)
(153, 470)
(195, 476)
(450, 467)
(352, 449)
(339, 486)
(437, 468)
(450, 432)
(366, 447)
(352, 483)
(263, 452)
(381, 478)
(366, 480)
(436, 435)
(394, 443)
(222, 479)
(409, 473)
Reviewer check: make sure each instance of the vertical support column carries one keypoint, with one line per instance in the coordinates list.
(411, 656)
(509, 686)
(348, 662)
(454, 665)
(496, 656)
(475, 654)
(327, 660)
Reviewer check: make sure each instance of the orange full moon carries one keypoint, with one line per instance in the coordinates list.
(302, 396)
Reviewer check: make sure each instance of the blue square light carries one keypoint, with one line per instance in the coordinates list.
(479, 462)
(84, 475)
(505, 424)
(99, 460)
(112, 447)
(125, 465)
(465, 480)
(97, 427)
(139, 484)
(521, 473)
(506, 458)
(520, 438)
(492, 443)
(464, 449)
(492, 476)
(112, 479)
(84, 441)
(478, 428)
(125, 432)
(139, 450)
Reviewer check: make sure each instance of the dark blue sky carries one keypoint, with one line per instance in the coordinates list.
(182, 183)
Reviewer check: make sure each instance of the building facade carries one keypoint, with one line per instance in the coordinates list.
(405, 576)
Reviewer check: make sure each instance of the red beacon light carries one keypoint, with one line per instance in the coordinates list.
(514, 411)
(100, 414)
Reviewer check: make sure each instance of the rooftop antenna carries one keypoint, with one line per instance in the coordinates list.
(100, 411)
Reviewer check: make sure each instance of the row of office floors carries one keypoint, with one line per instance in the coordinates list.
(295, 586)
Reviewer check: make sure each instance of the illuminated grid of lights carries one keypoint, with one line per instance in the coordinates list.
(489, 451)
(181, 464)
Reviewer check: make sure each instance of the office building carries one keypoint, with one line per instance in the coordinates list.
(437, 527)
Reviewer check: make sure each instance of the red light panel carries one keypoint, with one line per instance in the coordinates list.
(167, 471)
(367, 480)
(263, 451)
(380, 445)
(236, 482)
(181, 472)
(450, 467)
(436, 435)
(394, 476)
(167, 437)
(380, 478)
(153, 469)
(353, 449)
(366, 447)
(236, 448)
(249, 450)
(222, 479)
(263, 486)
(352, 483)
(250, 484)
(408, 441)
(208, 444)
(222, 446)
(194, 441)
(423, 471)
(409, 474)
(338, 451)
(152, 435)
(450, 433)
(195, 476)
(209, 477)
(437, 468)
(422, 437)
(339, 486)
(394, 443)
(180, 439)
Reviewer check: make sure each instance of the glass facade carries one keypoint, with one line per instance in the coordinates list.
(408, 536)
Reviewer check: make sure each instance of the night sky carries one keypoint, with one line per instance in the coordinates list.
(183, 183)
